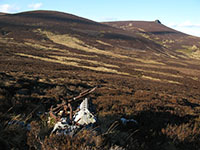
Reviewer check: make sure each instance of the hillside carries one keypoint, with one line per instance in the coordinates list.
(143, 70)
(169, 38)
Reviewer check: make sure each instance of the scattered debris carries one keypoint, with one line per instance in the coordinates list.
(73, 117)
(84, 116)
(126, 121)
(69, 121)
(63, 127)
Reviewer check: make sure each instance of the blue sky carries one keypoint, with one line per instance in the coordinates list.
(182, 15)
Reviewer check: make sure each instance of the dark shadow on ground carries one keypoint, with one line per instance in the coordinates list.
(147, 135)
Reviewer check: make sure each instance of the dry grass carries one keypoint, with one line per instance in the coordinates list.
(70, 62)
(160, 73)
(156, 40)
(84, 56)
(84, 139)
(38, 46)
(186, 71)
(190, 51)
(140, 29)
(183, 132)
(44, 47)
(156, 113)
(104, 43)
(145, 36)
(49, 60)
(62, 58)
(189, 72)
(73, 42)
(160, 80)
(103, 69)
(53, 49)
(151, 78)
(196, 54)
(178, 63)
(167, 41)
(195, 78)
(10, 41)
(146, 61)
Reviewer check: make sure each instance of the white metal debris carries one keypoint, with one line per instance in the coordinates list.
(63, 127)
(84, 116)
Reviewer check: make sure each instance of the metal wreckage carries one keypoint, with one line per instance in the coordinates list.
(69, 121)
(65, 120)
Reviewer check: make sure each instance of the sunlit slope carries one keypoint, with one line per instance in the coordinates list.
(175, 41)
(63, 40)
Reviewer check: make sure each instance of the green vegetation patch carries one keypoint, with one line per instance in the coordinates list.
(190, 51)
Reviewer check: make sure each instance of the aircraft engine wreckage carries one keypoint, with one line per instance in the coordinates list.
(69, 121)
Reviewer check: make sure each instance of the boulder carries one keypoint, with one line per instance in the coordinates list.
(158, 21)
